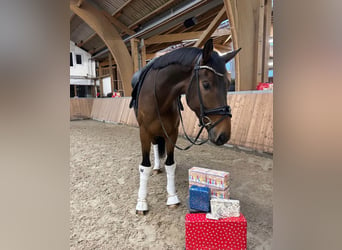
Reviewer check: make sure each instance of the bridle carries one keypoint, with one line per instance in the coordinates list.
(204, 120)
(224, 111)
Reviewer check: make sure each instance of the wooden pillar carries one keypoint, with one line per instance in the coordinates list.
(244, 19)
(95, 88)
(100, 79)
(231, 18)
(259, 51)
(143, 53)
(115, 77)
(134, 53)
(111, 71)
(267, 29)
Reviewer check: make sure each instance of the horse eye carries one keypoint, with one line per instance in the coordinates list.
(206, 85)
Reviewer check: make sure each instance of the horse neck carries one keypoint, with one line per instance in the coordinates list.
(175, 80)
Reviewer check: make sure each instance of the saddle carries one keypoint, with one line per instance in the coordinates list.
(137, 81)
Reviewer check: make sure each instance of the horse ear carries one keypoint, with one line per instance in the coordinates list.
(229, 56)
(207, 50)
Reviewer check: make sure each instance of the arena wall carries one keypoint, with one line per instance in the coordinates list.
(252, 121)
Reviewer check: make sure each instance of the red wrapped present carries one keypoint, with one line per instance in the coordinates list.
(226, 233)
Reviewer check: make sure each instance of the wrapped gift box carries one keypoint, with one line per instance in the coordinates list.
(221, 194)
(211, 178)
(203, 233)
(199, 198)
(217, 179)
(198, 175)
(222, 208)
(218, 193)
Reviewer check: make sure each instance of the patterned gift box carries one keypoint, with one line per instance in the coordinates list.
(221, 194)
(227, 233)
(222, 208)
(199, 198)
(218, 193)
(217, 179)
(198, 175)
(211, 178)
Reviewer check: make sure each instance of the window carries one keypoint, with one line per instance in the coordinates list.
(78, 59)
(71, 61)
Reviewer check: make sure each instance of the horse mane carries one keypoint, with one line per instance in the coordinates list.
(186, 57)
(182, 56)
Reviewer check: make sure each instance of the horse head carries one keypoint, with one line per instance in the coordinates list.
(207, 93)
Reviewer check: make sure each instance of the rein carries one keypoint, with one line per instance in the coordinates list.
(204, 120)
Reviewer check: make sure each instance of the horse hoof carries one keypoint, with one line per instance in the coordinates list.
(174, 206)
(156, 171)
(172, 200)
(138, 212)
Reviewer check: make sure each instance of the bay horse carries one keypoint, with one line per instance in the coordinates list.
(200, 74)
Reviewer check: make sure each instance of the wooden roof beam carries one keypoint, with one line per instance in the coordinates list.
(118, 24)
(168, 38)
(222, 48)
(173, 37)
(211, 28)
(87, 40)
(165, 5)
(116, 12)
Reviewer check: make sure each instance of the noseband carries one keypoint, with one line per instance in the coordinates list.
(224, 111)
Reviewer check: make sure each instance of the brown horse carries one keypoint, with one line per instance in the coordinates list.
(201, 75)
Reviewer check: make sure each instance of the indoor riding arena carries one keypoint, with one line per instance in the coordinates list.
(110, 40)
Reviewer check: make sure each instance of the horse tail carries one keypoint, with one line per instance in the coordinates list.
(161, 146)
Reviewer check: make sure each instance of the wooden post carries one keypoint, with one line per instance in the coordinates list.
(101, 83)
(231, 18)
(134, 53)
(267, 28)
(143, 53)
(111, 71)
(95, 88)
(243, 16)
(260, 55)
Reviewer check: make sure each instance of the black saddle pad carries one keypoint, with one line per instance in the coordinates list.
(137, 82)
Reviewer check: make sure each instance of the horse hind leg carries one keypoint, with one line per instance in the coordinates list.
(144, 171)
(158, 152)
(170, 167)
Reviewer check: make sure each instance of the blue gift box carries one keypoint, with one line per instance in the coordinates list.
(199, 198)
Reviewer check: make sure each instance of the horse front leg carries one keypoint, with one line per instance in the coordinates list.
(144, 171)
(158, 144)
(170, 167)
(156, 167)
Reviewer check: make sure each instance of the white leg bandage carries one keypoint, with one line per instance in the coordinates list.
(171, 190)
(142, 194)
(156, 157)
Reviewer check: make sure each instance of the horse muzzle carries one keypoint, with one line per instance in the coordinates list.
(218, 139)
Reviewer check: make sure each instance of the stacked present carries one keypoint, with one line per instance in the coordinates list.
(217, 181)
(217, 223)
